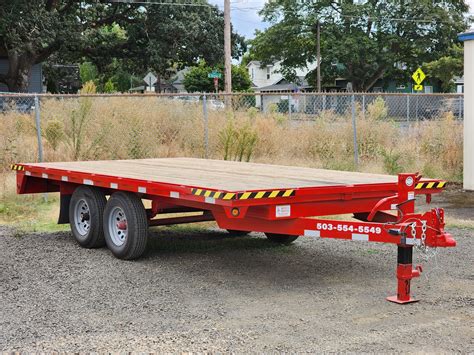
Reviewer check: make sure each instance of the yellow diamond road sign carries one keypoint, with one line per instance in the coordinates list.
(418, 76)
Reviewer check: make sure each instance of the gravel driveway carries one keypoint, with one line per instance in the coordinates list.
(208, 291)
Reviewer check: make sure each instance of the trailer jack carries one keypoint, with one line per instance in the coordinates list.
(405, 273)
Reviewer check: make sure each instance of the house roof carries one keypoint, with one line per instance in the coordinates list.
(284, 85)
(257, 63)
(179, 77)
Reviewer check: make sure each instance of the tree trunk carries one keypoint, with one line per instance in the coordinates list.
(18, 77)
(378, 75)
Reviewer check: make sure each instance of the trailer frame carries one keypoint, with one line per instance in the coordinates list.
(382, 212)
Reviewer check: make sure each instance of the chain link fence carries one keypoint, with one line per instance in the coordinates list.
(371, 132)
(308, 106)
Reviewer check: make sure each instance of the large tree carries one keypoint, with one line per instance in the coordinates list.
(362, 41)
(32, 31)
(141, 37)
(172, 37)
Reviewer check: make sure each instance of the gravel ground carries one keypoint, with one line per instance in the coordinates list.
(208, 291)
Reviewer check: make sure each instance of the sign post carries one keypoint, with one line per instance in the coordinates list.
(216, 76)
(150, 79)
(418, 76)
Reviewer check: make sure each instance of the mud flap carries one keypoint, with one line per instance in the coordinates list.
(64, 209)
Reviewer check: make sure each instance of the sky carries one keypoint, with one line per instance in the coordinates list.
(244, 14)
(246, 20)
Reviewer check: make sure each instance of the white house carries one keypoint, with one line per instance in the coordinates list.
(270, 74)
(268, 79)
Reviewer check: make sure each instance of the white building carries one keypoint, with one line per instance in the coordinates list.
(270, 74)
(267, 79)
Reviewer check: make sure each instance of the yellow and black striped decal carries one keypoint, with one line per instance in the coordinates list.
(243, 195)
(266, 194)
(17, 167)
(214, 194)
(430, 185)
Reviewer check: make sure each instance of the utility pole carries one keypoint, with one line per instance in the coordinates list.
(227, 49)
(318, 54)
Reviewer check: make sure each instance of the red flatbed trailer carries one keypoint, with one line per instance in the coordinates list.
(280, 201)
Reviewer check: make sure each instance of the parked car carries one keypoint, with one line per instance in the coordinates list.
(453, 105)
(187, 99)
(22, 106)
(216, 105)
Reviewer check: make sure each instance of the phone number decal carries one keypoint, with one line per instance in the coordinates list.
(341, 227)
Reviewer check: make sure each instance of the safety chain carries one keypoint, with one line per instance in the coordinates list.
(423, 235)
(426, 252)
(421, 245)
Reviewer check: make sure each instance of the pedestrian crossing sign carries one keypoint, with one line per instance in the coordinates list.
(418, 76)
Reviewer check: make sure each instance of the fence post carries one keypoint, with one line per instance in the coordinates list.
(206, 127)
(38, 134)
(416, 114)
(408, 107)
(354, 126)
(38, 129)
(363, 106)
(289, 107)
(324, 102)
(460, 114)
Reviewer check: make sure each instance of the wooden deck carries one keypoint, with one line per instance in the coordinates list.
(220, 174)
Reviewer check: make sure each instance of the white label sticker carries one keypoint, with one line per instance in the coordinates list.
(411, 195)
(283, 211)
(113, 185)
(210, 200)
(360, 237)
(174, 194)
(311, 233)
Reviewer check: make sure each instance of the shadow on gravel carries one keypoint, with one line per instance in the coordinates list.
(245, 257)
(198, 240)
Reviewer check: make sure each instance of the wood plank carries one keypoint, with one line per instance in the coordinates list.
(220, 174)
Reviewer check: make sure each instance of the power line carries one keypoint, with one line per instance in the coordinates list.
(144, 2)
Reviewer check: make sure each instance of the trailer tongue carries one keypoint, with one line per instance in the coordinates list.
(281, 201)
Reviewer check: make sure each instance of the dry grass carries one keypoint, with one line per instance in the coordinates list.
(91, 128)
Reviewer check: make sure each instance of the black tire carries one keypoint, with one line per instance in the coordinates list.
(237, 233)
(136, 225)
(86, 213)
(281, 238)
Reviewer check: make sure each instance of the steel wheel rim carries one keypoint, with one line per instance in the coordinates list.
(82, 218)
(118, 227)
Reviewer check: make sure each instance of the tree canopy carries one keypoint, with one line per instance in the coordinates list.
(362, 41)
(111, 36)
(447, 67)
(197, 80)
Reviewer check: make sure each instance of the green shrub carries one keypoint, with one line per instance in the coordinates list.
(54, 133)
(377, 110)
(391, 162)
(238, 143)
